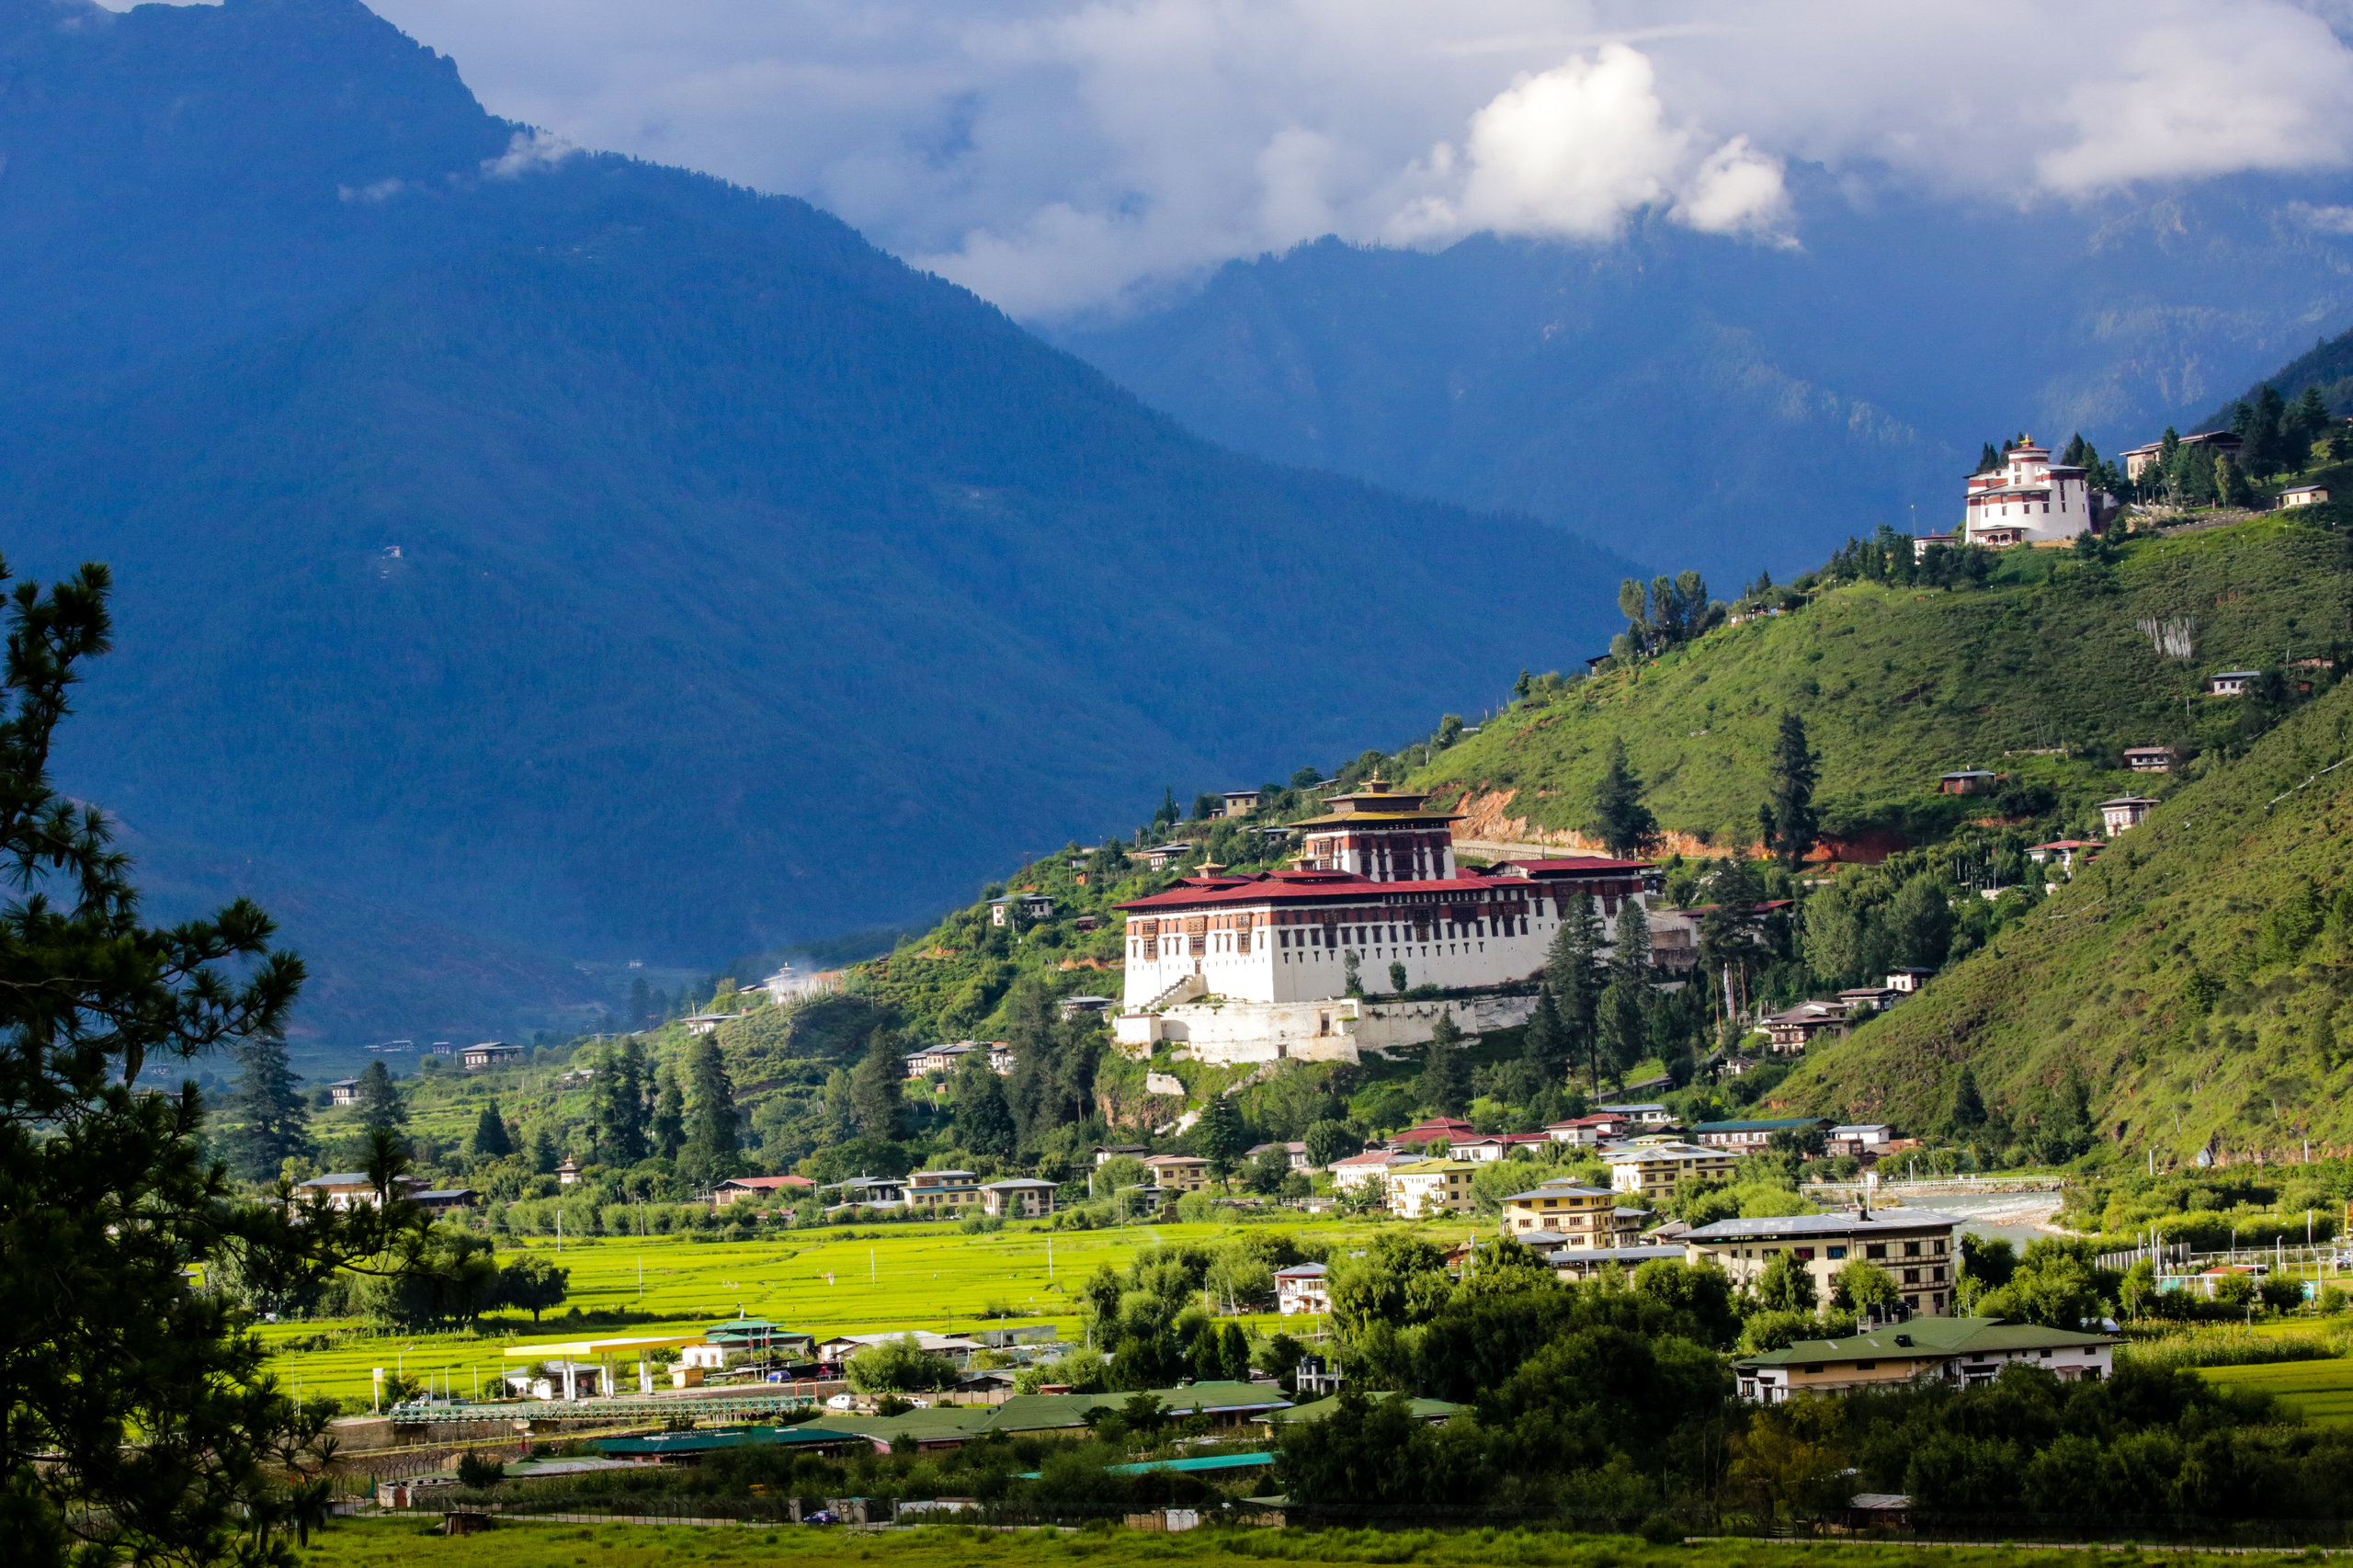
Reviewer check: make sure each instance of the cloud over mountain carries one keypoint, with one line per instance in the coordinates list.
(1055, 155)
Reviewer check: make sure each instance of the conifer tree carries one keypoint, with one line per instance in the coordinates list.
(1968, 1105)
(491, 1140)
(713, 1144)
(141, 1422)
(983, 1119)
(1623, 822)
(1546, 1045)
(1445, 1077)
(640, 1003)
(1791, 827)
(379, 1100)
(1220, 1135)
(875, 1087)
(268, 1124)
(621, 1106)
(2310, 420)
(545, 1156)
(1575, 974)
(666, 1131)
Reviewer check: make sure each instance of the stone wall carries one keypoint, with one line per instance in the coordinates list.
(1226, 1034)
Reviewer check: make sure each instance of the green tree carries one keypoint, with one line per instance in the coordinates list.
(715, 1143)
(1575, 973)
(2310, 421)
(621, 1106)
(1791, 826)
(1397, 976)
(1624, 1039)
(379, 1100)
(2230, 488)
(1624, 824)
(491, 1140)
(1786, 1285)
(666, 1128)
(1220, 1136)
(545, 1156)
(1352, 984)
(267, 1122)
(897, 1366)
(137, 1421)
(983, 1119)
(1547, 1046)
(1446, 1076)
(1329, 1141)
(533, 1283)
(1055, 1059)
(1860, 1284)
(1968, 1110)
(641, 1005)
(876, 1087)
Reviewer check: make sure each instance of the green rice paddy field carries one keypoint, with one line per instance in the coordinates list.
(821, 1281)
(2320, 1390)
(398, 1543)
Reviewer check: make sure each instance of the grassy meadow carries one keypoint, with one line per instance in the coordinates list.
(822, 1282)
(397, 1544)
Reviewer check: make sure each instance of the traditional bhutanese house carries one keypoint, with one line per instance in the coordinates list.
(760, 1188)
(1370, 1168)
(2139, 460)
(934, 1191)
(2124, 813)
(489, 1054)
(1968, 781)
(1653, 1172)
(2150, 759)
(1174, 1173)
(344, 1091)
(2230, 683)
(1960, 1350)
(1792, 1030)
(1017, 1198)
(1578, 1216)
(1302, 1287)
(2303, 496)
(2065, 851)
(1424, 1187)
(1916, 1246)
(1909, 979)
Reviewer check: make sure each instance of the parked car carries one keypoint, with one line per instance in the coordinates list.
(822, 1516)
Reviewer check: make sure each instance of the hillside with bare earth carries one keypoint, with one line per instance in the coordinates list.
(2197, 977)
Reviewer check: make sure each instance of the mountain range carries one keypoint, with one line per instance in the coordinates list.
(1702, 402)
(603, 562)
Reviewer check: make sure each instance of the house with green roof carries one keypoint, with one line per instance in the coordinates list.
(1226, 1404)
(1968, 1351)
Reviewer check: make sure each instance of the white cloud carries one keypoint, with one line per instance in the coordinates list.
(527, 150)
(1567, 153)
(1056, 153)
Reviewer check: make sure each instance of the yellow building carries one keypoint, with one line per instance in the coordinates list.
(1428, 1187)
(934, 1191)
(1174, 1173)
(1580, 1216)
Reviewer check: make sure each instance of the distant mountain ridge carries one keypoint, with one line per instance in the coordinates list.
(616, 563)
(1701, 402)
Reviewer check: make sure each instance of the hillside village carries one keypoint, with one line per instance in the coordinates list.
(1477, 928)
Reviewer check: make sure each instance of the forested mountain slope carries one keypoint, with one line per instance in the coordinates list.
(2196, 978)
(1898, 684)
(602, 557)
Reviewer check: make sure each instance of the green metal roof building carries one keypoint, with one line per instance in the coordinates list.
(1964, 1350)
